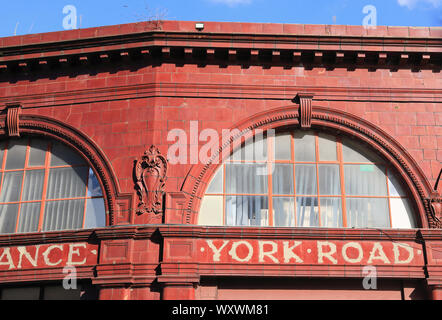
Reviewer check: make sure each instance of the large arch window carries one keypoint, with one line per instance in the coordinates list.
(306, 179)
(47, 186)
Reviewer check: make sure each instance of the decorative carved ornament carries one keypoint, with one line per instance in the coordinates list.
(12, 120)
(436, 210)
(435, 204)
(305, 109)
(150, 174)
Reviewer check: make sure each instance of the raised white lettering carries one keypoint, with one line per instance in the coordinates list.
(7, 253)
(396, 252)
(234, 254)
(48, 252)
(355, 245)
(288, 252)
(268, 254)
(329, 254)
(377, 247)
(24, 252)
(216, 251)
(74, 249)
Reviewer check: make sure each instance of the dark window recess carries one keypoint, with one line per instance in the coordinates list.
(50, 291)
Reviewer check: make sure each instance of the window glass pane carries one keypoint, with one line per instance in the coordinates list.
(307, 213)
(93, 188)
(25, 293)
(11, 187)
(283, 146)
(246, 178)
(95, 214)
(283, 212)
(394, 186)
(33, 188)
(216, 185)
(327, 147)
(29, 216)
(401, 213)
(331, 212)
(305, 146)
(246, 211)
(16, 155)
(67, 182)
(367, 212)
(63, 214)
(254, 149)
(365, 179)
(282, 182)
(37, 153)
(211, 211)
(306, 179)
(8, 217)
(248, 151)
(329, 179)
(61, 155)
(237, 155)
(356, 152)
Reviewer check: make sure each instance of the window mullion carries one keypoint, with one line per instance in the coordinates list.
(270, 167)
(317, 177)
(22, 184)
(5, 154)
(342, 181)
(388, 197)
(45, 186)
(85, 200)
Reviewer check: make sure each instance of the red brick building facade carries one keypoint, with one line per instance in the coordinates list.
(108, 94)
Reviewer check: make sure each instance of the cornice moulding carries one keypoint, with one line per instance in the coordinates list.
(194, 90)
(88, 43)
(186, 231)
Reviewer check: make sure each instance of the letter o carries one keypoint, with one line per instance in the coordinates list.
(235, 245)
(352, 245)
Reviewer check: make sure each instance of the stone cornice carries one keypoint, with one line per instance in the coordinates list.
(191, 231)
(45, 237)
(220, 31)
(63, 236)
(250, 43)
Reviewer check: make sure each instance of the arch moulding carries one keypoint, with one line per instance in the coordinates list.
(339, 122)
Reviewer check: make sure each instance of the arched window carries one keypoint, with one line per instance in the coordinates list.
(306, 179)
(47, 186)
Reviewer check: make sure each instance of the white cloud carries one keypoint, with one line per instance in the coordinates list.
(232, 3)
(412, 3)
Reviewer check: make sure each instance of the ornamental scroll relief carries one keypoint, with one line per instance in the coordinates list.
(435, 204)
(436, 211)
(12, 120)
(305, 109)
(150, 175)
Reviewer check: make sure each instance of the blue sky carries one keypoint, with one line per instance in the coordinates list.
(25, 16)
